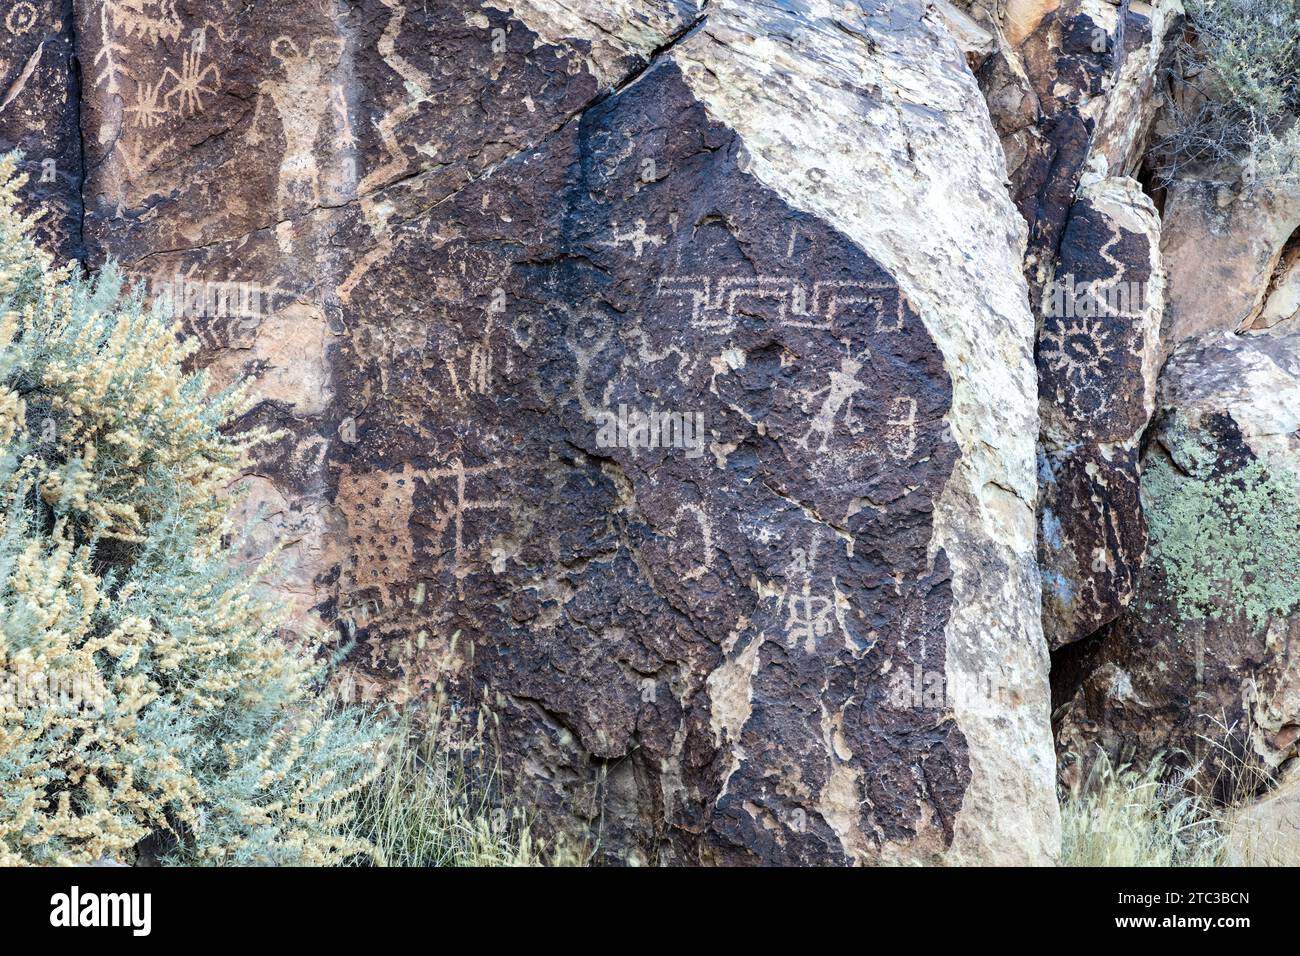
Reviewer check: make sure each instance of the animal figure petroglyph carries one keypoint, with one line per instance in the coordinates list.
(417, 86)
(191, 83)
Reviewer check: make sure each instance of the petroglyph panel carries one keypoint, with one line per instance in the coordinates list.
(452, 240)
(1097, 364)
(797, 540)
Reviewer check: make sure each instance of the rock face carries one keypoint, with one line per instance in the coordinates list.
(1207, 653)
(658, 378)
(1072, 90)
(1098, 356)
(1073, 95)
(1223, 245)
(38, 113)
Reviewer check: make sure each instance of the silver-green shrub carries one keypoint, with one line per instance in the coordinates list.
(1236, 91)
(144, 689)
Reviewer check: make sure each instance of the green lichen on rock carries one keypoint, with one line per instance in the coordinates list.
(1228, 544)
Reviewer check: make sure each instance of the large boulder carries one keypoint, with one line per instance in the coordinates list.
(1205, 661)
(1222, 245)
(656, 377)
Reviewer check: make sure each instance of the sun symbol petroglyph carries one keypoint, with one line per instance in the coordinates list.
(1078, 351)
(21, 18)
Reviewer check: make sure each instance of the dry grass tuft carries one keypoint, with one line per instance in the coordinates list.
(438, 802)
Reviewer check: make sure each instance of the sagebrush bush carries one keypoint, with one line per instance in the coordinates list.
(1237, 91)
(144, 690)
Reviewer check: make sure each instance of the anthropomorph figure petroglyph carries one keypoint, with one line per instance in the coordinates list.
(843, 385)
(301, 107)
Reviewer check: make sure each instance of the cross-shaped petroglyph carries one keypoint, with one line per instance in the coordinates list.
(379, 508)
(810, 614)
(451, 514)
(637, 238)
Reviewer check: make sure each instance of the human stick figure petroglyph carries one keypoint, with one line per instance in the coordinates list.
(842, 386)
(810, 614)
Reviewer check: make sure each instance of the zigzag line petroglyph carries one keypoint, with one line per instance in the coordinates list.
(417, 85)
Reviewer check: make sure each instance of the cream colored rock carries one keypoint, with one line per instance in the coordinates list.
(1283, 301)
(1020, 18)
(976, 41)
(1267, 832)
(619, 31)
(1220, 251)
(1129, 107)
